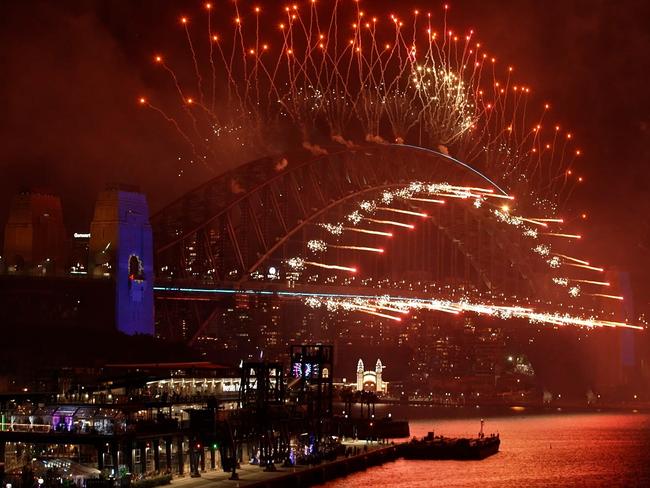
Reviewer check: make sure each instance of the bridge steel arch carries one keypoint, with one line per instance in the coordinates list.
(229, 227)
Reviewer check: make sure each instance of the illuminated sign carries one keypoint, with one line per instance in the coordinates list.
(305, 370)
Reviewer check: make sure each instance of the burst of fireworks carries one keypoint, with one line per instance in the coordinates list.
(554, 262)
(391, 78)
(317, 245)
(541, 249)
(574, 291)
(336, 229)
(296, 264)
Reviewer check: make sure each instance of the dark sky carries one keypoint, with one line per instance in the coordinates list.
(71, 72)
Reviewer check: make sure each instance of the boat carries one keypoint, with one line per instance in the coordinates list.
(460, 448)
(451, 448)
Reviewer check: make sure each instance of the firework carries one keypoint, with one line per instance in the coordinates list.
(602, 295)
(369, 231)
(336, 229)
(429, 200)
(585, 266)
(360, 248)
(316, 245)
(568, 236)
(259, 87)
(503, 215)
(390, 222)
(575, 260)
(252, 76)
(367, 305)
(598, 283)
(331, 266)
(404, 212)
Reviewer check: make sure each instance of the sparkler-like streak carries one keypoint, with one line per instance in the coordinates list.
(317, 245)
(603, 295)
(405, 212)
(332, 266)
(390, 222)
(429, 200)
(383, 315)
(458, 307)
(575, 260)
(568, 236)
(585, 266)
(599, 283)
(360, 248)
(534, 221)
(369, 231)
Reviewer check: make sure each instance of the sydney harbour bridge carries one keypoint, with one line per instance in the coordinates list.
(235, 234)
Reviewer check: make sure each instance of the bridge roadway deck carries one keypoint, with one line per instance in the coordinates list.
(200, 291)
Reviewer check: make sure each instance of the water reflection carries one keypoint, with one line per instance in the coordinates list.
(558, 450)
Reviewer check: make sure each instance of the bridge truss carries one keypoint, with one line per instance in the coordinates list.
(249, 221)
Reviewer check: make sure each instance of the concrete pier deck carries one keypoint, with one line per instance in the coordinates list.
(252, 476)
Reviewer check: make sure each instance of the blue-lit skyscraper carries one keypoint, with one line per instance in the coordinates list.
(121, 249)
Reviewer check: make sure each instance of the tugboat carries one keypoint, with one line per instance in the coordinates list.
(462, 448)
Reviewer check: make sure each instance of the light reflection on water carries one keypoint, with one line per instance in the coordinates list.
(559, 450)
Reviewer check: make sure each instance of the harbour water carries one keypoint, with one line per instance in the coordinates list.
(537, 450)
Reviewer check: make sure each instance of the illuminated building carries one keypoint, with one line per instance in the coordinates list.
(99, 280)
(79, 253)
(371, 380)
(121, 249)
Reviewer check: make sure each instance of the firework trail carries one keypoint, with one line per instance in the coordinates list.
(423, 192)
(260, 82)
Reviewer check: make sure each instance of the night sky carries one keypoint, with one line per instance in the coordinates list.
(72, 72)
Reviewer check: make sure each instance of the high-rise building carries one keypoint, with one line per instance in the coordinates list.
(35, 239)
(121, 249)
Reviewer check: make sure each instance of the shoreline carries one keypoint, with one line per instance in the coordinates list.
(296, 476)
(419, 410)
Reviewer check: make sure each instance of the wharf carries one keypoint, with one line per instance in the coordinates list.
(251, 476)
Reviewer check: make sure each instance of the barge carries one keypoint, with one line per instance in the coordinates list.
(460, 448)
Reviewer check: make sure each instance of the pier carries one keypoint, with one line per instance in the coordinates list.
(298, 476)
